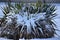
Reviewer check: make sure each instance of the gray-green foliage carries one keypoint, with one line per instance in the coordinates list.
(11, 8)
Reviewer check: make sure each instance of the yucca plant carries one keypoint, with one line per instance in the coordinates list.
(33, 21)
(7, 26)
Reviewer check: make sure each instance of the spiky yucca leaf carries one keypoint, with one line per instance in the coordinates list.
(32, 22)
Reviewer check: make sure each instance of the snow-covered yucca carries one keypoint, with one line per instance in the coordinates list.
(33, 20)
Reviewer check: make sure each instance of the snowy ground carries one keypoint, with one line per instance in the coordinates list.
(33, 39)
(57, 18)
(57, 21)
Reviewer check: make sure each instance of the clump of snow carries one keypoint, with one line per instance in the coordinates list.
(28, 20)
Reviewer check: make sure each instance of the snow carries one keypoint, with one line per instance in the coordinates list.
(57, 18)
(33, 39)
(5, 39)
(30, 20)
(23, 20)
